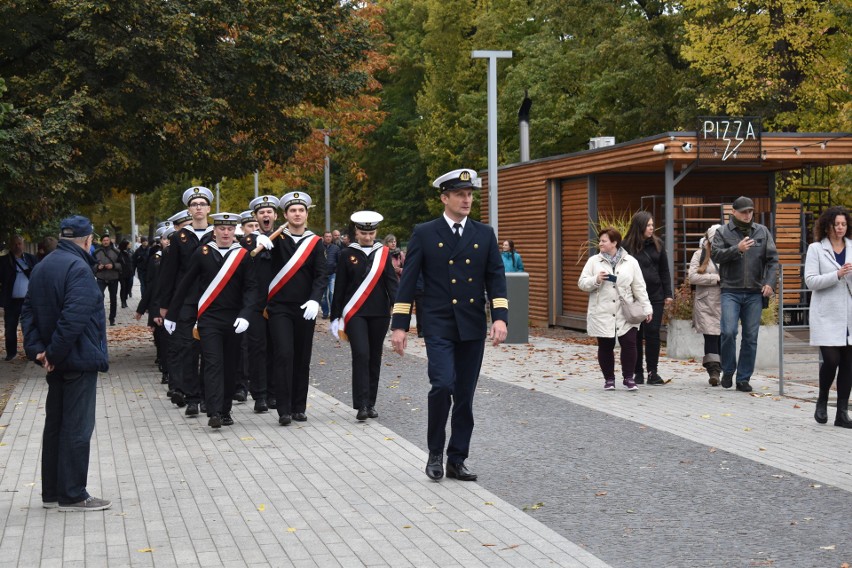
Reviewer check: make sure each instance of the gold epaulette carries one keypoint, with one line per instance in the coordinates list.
(402, 308)
(498, 303)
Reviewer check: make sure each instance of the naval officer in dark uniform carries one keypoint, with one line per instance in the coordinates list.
(459, 261)
(219, 281)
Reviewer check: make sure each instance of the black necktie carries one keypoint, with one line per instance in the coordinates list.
(457, 230)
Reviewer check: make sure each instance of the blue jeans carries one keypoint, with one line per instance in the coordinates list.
(738, 307)
(68, 427)
(328, 295)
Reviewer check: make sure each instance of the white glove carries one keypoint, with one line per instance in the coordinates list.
(169, 326)
(335, 328)
(311, 309)
(240, 325)
(264, 241)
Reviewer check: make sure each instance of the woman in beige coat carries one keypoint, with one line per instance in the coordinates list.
(613, 269)
(707, 304)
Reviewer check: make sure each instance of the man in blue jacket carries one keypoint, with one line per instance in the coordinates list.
(65, 331)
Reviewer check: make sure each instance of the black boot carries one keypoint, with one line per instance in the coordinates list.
(821, 412)
(842, 419)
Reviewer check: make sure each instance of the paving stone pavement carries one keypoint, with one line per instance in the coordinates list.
(329, 492)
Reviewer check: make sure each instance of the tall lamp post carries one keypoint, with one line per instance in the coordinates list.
(327, 176)
(492, 57)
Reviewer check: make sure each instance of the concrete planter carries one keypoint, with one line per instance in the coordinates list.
(683, 342)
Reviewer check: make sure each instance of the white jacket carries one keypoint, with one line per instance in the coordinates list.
(831, 299)
(604, 318)
(707, 298)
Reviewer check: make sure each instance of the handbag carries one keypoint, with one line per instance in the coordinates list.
(632, 311)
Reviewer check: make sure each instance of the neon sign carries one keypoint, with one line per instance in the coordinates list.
(729, 140)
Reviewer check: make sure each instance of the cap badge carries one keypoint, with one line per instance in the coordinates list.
(296, 195)
(464, 176)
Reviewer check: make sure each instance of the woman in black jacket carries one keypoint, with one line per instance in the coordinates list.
(648, 250)
(365, 290)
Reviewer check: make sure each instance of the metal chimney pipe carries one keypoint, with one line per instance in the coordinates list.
(524, 127)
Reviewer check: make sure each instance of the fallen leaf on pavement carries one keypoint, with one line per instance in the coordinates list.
(600, 493)
(261, 507)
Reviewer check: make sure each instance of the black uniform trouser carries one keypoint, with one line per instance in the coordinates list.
(260, 358)
(186, 353)
(366, 339)
(453, 368)
(220, 348)
(293, 337)
(11, 317)
(161, 344)
(650, 332)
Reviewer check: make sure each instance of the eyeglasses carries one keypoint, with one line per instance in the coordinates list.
(199, 204)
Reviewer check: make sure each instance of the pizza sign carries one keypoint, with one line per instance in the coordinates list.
(729, 140)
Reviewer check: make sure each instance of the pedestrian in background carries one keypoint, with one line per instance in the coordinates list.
(511, 258)
(108, 272)
(707, 304)
(396, 255)
(65, 332)
(828, 265)
(332, 251)
(125, 277)
(747, 259)
(605, 276)
(140, 263)
(15, 270)
(648, 250)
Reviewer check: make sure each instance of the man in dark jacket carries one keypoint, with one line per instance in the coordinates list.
(747, 259)
(15, 269)
(65, 331)
(108, 272)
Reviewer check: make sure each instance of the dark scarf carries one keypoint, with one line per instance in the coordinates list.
(745, 228)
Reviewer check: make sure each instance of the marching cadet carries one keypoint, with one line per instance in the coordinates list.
(248, 225)
(147, 303)
(366, 287)
(459, 261)
(172, 355)
(292, 304)
(260, 348)
(186, 351)
(219, 280)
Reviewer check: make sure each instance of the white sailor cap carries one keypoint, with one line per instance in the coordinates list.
(247, 216)
(231, 219)
(197, 191)
(180, 217)
(458, 179)
(295, 198)
(165, 231)
(366, 220)
(263, 201)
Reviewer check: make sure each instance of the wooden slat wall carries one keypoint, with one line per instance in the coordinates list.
(522, 217)
(790, 244)
(575, 234)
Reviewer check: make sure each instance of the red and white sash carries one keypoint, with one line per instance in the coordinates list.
(293, 265)
(365, 289)
(221, 280)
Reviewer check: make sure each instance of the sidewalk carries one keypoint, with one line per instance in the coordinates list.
(330, 492)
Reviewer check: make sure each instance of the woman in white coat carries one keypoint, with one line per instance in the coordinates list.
(613, 268)
(707, 304)
(828, 266)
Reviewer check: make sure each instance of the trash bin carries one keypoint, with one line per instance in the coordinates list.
(518, 294)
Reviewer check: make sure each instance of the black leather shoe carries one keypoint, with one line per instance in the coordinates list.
(178, 398)
(241, 395)
(371, 412)
(260, 405)
(215, 421)
(227, 419)
(164, 380)
(10, 356)
(300, 417)
(203, 407)
(459, 471)
(284, 420)
(362, 414)
(191, 409)
(743, 386)
(821, 412)
(639, 378)
(727, 381)
(271, 403)
(655, 379)
(435, 466)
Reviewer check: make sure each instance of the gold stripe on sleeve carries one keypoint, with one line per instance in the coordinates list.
(402, 308)
(498, 303)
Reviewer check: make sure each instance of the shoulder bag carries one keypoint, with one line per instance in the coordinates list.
(632, 311)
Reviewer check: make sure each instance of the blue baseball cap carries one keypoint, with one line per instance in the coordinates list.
(76, 226)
